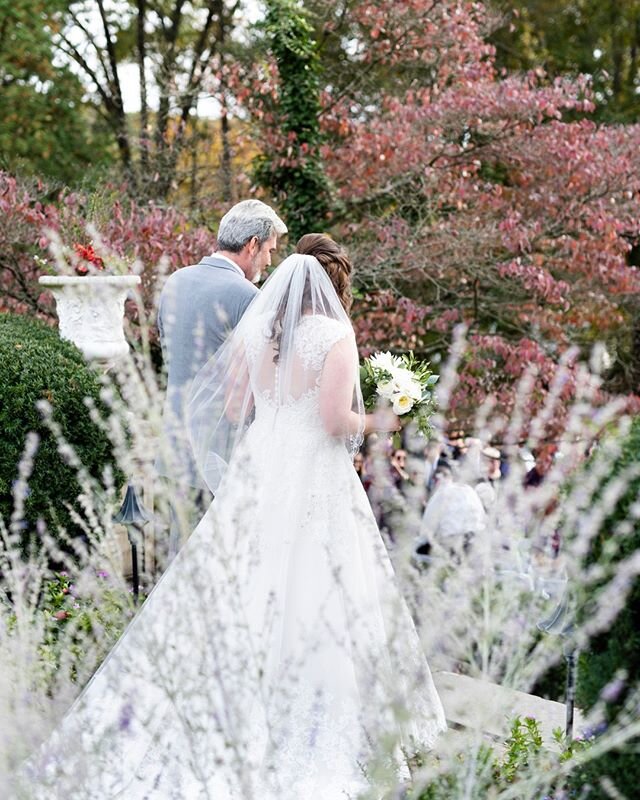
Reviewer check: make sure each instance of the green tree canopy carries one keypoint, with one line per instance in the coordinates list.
(600, 38)
(46, 127)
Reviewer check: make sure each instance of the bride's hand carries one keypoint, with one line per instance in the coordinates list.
(385, 421)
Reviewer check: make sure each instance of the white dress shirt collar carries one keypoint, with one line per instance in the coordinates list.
(229, 261)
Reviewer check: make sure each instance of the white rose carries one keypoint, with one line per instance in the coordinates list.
(402, 404)
(387, 389)
(407, 384)
(402, 376)
(414, 390)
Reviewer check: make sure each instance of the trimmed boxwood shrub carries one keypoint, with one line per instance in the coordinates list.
(35, 364)
(619, 647)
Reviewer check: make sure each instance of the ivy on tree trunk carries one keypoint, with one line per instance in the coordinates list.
(293, 171)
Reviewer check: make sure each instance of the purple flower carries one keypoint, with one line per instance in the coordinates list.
(103, 573)
(126, 714)
(596, 730)
(613, 690)
(600, 728)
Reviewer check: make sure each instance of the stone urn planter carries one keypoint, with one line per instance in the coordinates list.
(91, 312)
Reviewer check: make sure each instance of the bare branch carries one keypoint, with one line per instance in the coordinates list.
(90, 39)
(72, 51)
(111, 53)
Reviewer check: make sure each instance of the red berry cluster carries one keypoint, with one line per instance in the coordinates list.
(89, 256)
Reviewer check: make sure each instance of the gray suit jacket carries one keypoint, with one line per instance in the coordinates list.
(199, 306)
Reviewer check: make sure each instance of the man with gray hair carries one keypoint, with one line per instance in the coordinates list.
(199, 306)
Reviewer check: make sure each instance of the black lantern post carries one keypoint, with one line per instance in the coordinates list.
(134, 516)
(560, 623)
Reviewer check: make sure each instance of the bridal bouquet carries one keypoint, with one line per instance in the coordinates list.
(404, 382)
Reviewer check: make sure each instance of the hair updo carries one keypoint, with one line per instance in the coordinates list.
(334, 260)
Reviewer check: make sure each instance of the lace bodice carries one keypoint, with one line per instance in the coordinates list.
(316, 336)
(290, 382)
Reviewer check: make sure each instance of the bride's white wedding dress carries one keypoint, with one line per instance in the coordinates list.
(276, 653)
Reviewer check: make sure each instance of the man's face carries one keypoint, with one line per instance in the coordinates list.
(261, 257)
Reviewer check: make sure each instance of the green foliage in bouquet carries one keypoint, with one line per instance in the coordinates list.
(403, 382)
(36, 365)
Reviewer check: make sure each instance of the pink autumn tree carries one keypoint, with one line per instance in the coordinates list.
(470, 196)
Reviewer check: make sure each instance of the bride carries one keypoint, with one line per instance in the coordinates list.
(275, 659)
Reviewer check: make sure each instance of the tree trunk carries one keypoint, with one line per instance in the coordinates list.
(616, 50)
(193, 181)
(202, 53)
(633, 56)
(165, 78)
(113, 80)
(144, 107)
(225, 159)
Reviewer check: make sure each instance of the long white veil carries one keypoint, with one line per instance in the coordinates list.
(264, 359)
(276, 651)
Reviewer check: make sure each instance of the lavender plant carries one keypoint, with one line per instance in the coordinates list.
(477, 614)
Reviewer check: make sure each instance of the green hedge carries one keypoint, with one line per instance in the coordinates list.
(619, 647)
(35, 364)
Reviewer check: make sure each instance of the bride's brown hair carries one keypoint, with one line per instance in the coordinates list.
(335, 261)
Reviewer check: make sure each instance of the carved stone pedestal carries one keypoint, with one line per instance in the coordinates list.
(91, 311)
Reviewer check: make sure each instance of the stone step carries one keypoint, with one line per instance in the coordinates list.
(488, 707)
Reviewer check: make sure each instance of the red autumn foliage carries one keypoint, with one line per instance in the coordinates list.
(141, 236)
(469, 195)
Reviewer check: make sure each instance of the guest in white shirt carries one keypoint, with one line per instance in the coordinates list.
(453, 517)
